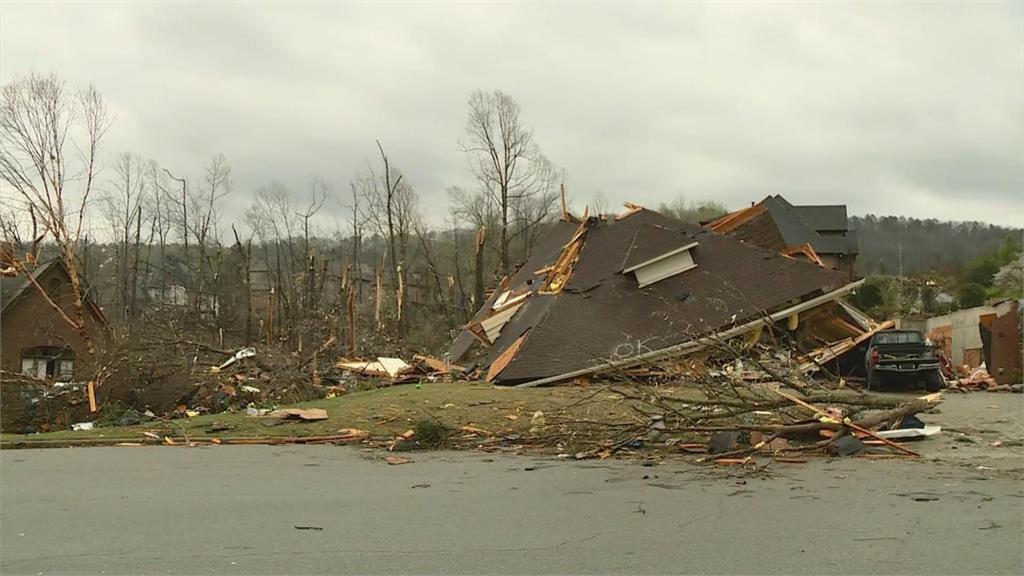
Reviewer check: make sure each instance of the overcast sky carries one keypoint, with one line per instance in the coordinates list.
(912, 109)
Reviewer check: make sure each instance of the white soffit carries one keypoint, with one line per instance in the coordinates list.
(668, 254)
(669, 264)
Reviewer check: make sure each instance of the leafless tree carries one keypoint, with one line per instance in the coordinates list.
(479, 211)
(206, 207)
(49, 144)
(392, 206)
(273, 220)
(123, 201)
(159, 205)
(507, 163)
(320, 189)
(599, 203)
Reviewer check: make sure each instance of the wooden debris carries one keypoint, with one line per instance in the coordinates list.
(392, 367)
(733, 461)
(561, 270)
(352, 434)
(804, 250)
(437, 365)
(91, 389)
(631, 209)
(506, 357)
(396, 460)
(822, 414)
(299, 414)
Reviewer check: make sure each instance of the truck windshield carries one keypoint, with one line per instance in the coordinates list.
(898, 338)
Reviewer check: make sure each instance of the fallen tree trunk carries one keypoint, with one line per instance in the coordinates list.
(761, 403)
(795, 430)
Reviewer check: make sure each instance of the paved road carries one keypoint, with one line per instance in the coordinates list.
(234, 510)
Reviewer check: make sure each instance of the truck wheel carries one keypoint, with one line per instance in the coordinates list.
(933, 381)
(873, 381)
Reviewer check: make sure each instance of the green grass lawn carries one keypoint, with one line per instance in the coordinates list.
(382, 412)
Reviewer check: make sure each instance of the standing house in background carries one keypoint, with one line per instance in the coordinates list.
(820, 234)
(34, 339)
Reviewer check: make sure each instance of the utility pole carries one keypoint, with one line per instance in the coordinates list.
(899, 282)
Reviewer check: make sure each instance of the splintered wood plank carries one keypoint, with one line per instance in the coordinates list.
(504, 359)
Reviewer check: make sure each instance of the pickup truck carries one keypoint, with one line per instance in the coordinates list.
(901, 355)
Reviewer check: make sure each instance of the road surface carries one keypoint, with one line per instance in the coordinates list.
(331, 510)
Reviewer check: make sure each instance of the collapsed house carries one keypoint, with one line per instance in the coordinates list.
(601, 294)
(988, 336)
(819, 234)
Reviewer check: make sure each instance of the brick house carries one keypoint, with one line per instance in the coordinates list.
(34, 339)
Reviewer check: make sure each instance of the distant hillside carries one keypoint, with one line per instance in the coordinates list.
(927, 244)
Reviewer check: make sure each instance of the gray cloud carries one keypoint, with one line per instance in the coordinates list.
(910, 109)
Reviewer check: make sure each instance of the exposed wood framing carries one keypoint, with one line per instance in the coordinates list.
(805, 250)
(561, 270)
(631, 209)
(834, 350)
(734, 220)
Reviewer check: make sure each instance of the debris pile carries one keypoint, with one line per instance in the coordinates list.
(31, 405)
(762, 421)
(968, 380)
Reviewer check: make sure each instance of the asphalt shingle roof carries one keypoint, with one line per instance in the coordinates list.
(602, 315)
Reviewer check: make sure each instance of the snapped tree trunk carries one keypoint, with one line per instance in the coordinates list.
(478, 269)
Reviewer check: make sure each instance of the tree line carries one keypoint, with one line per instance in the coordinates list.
(388, 279)
(889, 244)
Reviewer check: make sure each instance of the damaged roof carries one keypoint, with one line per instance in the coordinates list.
(602, 314)
(776, 224)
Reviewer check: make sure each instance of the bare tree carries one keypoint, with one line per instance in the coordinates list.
(272, 218)
(320, 190)
(49, 142)
(477, 210)
(159, 205)
(599, 203)
(507, 163)
(122, 204)
(206, 210)
(392, 206)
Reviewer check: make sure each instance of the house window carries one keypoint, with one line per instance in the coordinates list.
(53, 287)
(48, 363)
